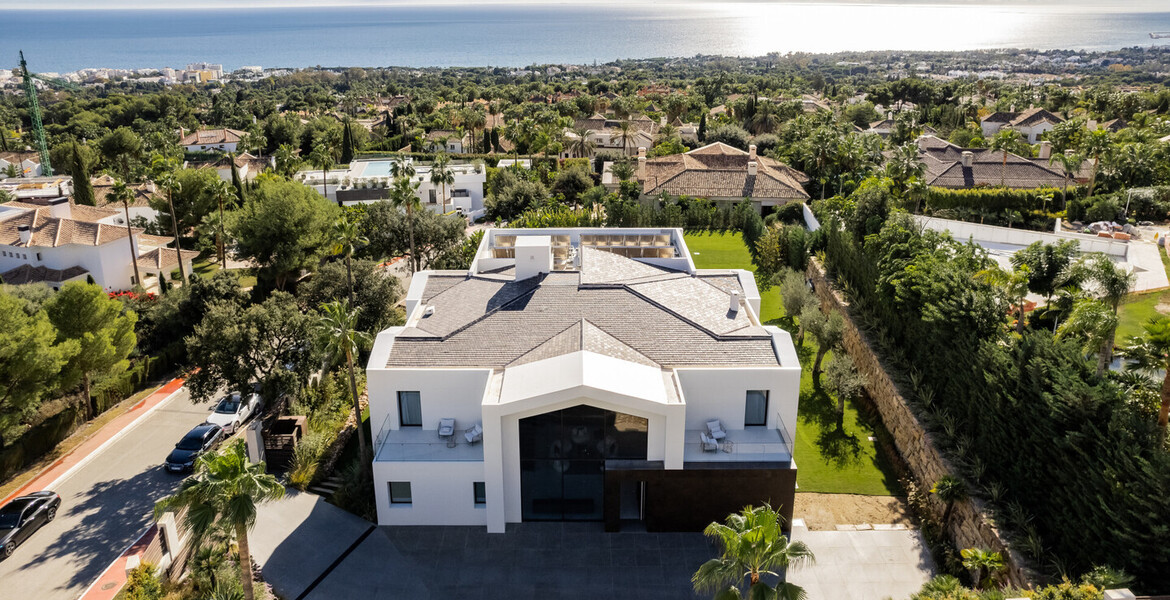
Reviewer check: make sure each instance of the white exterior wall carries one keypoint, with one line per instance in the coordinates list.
(721, 393)
(440, 492)
(443, 393)
(228, 147)
(109, 264)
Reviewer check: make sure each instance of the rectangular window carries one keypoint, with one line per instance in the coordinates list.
(409, 409)
(38, 256)
(399, 492)
(756, 409)
(480, 491)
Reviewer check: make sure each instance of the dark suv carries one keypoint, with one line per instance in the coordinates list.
(203, 438)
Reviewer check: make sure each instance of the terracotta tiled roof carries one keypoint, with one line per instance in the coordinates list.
(30, 274)
(102, 187)
(163, 259)
(1022, 119)
(209, 137)
(720, 171)
(52, 232)
(146, 239)
(77, 212)
(19, 157)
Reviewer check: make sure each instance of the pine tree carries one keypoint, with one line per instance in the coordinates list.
(82, 188)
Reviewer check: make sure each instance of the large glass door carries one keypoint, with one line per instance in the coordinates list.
(562, 460)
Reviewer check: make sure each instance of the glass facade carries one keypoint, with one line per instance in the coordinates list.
(756, 408)
(562, 460)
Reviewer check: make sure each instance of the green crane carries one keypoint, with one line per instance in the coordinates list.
(34, 112)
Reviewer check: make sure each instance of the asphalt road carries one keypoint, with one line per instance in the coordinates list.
(105, 506)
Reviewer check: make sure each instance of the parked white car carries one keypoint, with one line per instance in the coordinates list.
(233, 410)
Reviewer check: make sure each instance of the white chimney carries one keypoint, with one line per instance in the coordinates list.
(25, 233)
(753, 168)
(734, 303)
(60, 209)
(641, 151)
(752, 152)
(641, 167)
(1045, 150)
(1068, 152)
(968, 158)
(533, 256)
(1091, 125)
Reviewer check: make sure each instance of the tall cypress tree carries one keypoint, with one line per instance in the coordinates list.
(82, 188)
(487, 141)
(236, 183)
(703, 128)
(347, 144)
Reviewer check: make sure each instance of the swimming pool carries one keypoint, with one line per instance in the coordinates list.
(375, 168)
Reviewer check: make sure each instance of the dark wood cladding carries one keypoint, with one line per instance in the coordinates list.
(689, 499)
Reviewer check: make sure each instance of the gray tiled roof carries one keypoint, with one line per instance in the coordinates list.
(599, 266)
(664, 318)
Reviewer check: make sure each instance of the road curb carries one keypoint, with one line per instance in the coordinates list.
(97, 450)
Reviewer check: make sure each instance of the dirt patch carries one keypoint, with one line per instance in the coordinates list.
(826, 511)
(1163, 308)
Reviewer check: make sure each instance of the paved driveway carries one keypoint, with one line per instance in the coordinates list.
(300, 540)
(105, 506)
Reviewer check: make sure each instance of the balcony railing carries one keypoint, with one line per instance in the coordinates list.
(414, 444)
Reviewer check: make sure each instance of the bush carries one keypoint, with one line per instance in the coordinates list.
(732, 135)
(142, 584)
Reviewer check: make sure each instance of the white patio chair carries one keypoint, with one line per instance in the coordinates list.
(709, 443)
(446, 427)
(715, 429)
(474, 434)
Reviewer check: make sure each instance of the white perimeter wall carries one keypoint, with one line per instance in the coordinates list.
(963, 231)
(441, 493)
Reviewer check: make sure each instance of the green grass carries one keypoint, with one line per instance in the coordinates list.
(1138, 309)
(206, 265)
(833, 452)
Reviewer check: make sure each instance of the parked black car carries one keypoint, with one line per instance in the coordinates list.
(202, 438)
(23, 516)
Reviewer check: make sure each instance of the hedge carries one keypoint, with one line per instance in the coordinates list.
(996, 199)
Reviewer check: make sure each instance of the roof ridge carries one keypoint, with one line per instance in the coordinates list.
(676, 314)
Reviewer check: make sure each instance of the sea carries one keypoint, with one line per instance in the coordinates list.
(520, 35)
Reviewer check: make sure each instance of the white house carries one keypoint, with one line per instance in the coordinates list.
(212, 140)
(24, 164)
(582, 374)
(605, 134)
(60, 241)
(445, 140)
(369, 181)
(1031, 123)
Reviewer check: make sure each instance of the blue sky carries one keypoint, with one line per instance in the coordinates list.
(190, 4)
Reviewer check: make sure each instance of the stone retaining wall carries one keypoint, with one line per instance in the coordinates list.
(970, 524)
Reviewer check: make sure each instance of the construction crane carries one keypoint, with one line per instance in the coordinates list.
(34, 112)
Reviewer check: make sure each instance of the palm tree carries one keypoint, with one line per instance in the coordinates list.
(1151, 354)
(581, 146)
(401, 167)
(347, 239)
(124, 194)
(1069, 165)
(985, 563)
(754, 546)
(950, 490)
(441, 174)
(1111, 285)
(169, 180)
(224, 492)
(624, 133)
(1094, 322)
(322, 158)
(1096, 144)
(1007, 140)
(222, 190)
(1013, 285)
(286, 160)
(337, 334)
(402, 195)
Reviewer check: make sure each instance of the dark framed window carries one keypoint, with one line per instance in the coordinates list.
(756, 408)
(399, 492)
(480, 491)
(409, 409)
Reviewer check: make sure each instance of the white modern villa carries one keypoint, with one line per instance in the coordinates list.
(582, 375)
(368, 181)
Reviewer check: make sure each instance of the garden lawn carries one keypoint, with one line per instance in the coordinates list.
(205, 266)
(832, 455)
(1138, 309)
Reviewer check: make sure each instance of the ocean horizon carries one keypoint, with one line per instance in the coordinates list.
(519, 35)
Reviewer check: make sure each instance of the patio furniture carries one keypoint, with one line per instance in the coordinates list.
(447, 431)
(474, 434)
(709, 443)
(715, 429)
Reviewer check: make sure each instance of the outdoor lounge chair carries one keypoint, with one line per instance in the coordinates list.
(474, 434)
(446, 427)
(715, 429)
(709, 443)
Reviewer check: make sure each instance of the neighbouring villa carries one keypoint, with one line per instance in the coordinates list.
(720, 172)
(582, 375)
(368, 181)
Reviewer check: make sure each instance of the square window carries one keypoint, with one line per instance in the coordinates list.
(409, 409)
(399, 492)
(756, 408)
(480, 491)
